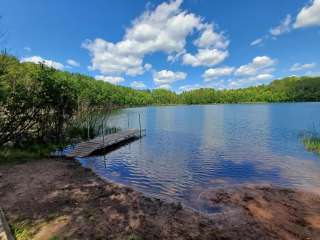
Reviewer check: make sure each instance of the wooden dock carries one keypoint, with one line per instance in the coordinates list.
(100, 143)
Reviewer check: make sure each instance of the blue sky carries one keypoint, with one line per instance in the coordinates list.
(179, 45)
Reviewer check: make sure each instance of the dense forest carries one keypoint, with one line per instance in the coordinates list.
(42, 100)
(89, 91)
(290, 89)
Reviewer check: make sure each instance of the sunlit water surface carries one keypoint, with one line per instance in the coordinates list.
(190, 149)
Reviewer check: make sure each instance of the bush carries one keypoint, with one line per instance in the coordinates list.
(14, 155)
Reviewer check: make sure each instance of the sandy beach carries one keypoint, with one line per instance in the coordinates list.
(59, 199)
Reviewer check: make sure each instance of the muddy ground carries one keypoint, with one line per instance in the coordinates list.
(59, 199)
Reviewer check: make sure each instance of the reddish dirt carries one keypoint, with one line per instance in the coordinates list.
(278, 212)
(62, 199)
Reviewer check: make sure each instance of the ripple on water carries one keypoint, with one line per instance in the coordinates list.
(187, 152)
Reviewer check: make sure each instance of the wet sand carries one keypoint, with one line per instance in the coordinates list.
(60, 198)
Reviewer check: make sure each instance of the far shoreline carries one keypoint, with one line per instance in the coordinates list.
(213, 104)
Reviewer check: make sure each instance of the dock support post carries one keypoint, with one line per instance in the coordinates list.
(140, 125)
(103, 132)
(128, 120)
(88, 132)
(104, 160)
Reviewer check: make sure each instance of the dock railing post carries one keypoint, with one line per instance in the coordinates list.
(140, 124)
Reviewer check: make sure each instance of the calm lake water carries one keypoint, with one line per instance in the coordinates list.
(190, 149)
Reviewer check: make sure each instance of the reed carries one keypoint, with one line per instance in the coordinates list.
(312, 144)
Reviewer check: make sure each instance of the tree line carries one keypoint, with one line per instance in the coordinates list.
(38, 102)
(290, 89)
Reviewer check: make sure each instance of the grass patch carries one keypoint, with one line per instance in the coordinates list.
(16, 155)
(133, 237)
(312, 144)
(22, 231)
(25, 230)
(54, 238)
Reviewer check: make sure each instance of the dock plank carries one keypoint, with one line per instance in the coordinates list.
(86, 148)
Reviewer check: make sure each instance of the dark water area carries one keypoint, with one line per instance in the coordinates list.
(190, 149)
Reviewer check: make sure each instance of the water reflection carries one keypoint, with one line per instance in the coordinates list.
(189, 149)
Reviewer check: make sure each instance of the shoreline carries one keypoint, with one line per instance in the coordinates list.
(209, 104)
(60, 199)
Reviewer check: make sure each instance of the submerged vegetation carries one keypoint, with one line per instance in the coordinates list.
(44, 106)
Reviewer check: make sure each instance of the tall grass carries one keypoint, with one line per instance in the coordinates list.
(15, 155)
(312, 144)
(311, 140)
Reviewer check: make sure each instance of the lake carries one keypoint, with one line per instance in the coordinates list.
(190, 149)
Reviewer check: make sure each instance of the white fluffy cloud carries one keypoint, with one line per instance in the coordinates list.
(263, 61)
(247, 69)
(257, 79)
(110, 79)
(162, 29)
(211, 39)
(190, 87)
(138, 85)
(38, 59)
(309, 15)
(285, 26)
(176, 56)
(147, 66)
(242, 82)
(211, 48)
(73, 63)
(213, 73)
(164, 86)
(256, 42)
(112, 58)
(258, 71)
(263, 76)
(166, 77)
(205, 57)
(299, 67)
(260, 63)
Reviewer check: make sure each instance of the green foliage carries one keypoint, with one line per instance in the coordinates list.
(163, 96)
(22, 231)
(35, 102)
(292, 89)
(54, 238)
(66, 91)
(134, 237)
(15, 155)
